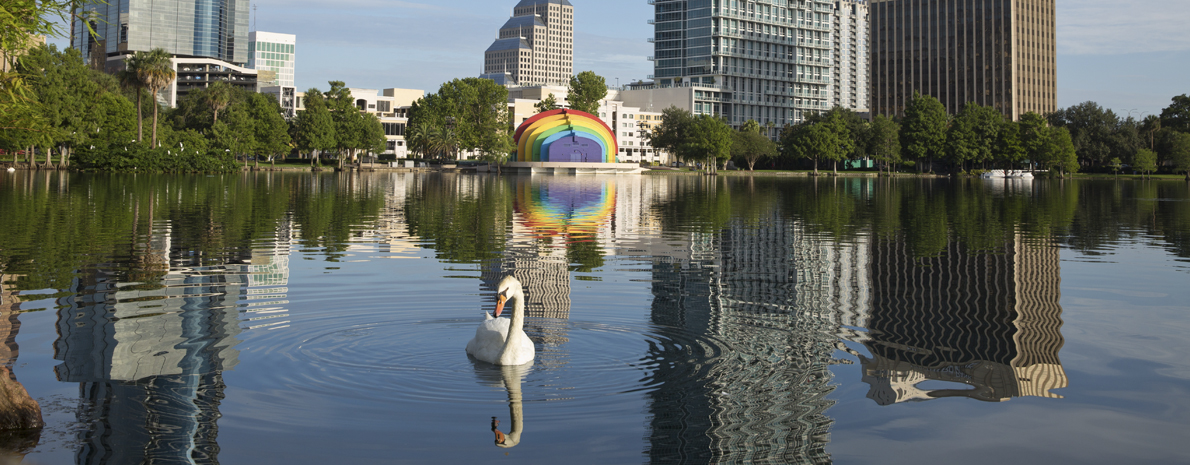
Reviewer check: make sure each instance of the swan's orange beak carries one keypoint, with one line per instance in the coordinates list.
(500, 299)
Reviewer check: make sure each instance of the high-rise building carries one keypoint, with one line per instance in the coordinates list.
(215, 29)
(774, 58)
(207, 38)
(850, 83)
(272, 55)
(536, 45)
(998, 53)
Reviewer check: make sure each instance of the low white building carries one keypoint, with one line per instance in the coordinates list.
(391, 106)
(199, 73)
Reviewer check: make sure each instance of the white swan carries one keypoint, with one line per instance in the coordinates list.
(12, 170)
(502, 341)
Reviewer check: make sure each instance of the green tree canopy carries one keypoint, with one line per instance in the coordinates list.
(314, 127)
(586, 90)
(923, 130)
(472, 111)
(1177, 115)
(547, 104)
(973, 134)
(750, 145)
(1145, 161)
(1091, 127)
(884, 141)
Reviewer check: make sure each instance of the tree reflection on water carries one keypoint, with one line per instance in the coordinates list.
(930, 289)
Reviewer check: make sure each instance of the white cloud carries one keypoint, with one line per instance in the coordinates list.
(1113, 27)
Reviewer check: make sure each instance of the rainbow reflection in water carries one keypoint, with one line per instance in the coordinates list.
(575, 208)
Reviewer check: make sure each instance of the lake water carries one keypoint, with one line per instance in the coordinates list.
(290, 318)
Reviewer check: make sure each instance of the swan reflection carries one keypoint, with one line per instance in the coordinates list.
(510, 378)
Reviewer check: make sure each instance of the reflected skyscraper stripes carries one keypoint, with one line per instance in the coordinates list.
(149, 356)
(987, 321)
(774, 296)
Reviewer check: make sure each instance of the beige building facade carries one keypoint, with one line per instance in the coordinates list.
(536, 45)
(997, 53)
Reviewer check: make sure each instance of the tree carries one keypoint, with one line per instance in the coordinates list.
(549, 103)
(883, 141)
(130, 79)
(20, 22)
(712, 138)
(499, 149)
(842, 142)
(1177, 115)
(1145, 161)
(923, 130)
(272, 132)
(1179, 152)
(217, 96)
(586, 90)
(155, 70)
(1010, 151)
(1058, 153)
(973, 134)
(749, 144)
(1149, 129)
(474, 109)
(1091, 128)
(417, 136)
(807, 140)
(236, 134)
(347, 119)
(676, 128)
(372, 139)
(314, 126)
(1033, 132)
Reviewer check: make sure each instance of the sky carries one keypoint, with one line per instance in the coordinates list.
(1131, 57)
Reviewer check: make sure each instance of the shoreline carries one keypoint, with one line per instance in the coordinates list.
(379, 168)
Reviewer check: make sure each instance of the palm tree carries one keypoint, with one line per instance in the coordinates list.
(130, 79)
(156, 72)
(217, 96)
(444, 141)
(417, 136)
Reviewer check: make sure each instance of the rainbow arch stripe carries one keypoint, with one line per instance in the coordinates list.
(565, 136)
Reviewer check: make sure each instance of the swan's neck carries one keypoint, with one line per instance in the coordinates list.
(516, 327)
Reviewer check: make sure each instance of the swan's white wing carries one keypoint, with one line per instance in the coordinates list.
(488, 343)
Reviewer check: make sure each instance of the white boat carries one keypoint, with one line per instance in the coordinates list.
(1007, 174)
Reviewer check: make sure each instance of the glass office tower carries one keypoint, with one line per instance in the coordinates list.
(215, 29)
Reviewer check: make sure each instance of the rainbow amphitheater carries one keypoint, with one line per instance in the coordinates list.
(567, 142)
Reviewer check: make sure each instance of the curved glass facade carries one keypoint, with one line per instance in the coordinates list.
(189, 28)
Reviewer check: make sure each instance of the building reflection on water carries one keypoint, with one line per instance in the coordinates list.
(751, 317)
(988, 323)
(776, 299)
(149, 356)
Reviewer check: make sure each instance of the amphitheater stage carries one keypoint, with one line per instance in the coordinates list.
(571, 168)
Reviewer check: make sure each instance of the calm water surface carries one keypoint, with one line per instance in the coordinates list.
(313, 319)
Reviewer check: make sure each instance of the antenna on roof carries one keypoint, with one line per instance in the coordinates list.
(255, 18)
